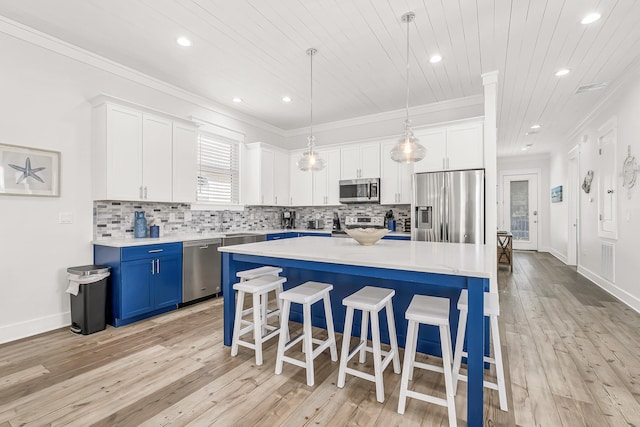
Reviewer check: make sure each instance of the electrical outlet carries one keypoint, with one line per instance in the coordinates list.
(65, 217)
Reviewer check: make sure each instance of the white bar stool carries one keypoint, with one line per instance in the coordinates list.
(259, 288)
(306, 294)
(370, 300)
(491, 310)
(254, 273)
(428, 311)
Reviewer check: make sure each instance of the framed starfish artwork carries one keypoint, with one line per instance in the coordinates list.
(26, 171)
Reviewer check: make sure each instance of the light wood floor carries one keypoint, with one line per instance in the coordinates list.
(572, 357)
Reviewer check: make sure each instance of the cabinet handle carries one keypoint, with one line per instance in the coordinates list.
(141, 192)
(276, 199)
(145, 192)
(153, 266)
(204, 247)
(290, 201)
(158, 266)
(155, 251)
(262, 200)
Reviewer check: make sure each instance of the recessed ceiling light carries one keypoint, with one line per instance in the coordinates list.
(590, 18)
(562, 72)
(535, 127)
(286, 99)
(236, 99)
(435, 59)
(183, 41)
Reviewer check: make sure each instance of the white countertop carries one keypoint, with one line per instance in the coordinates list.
(432, 257)
(121, 243)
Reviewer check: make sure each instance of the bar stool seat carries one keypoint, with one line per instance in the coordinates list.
(306, 294)
(254, 273)
(492, 311)
(434, 311)
(370, 300)
(259, 289)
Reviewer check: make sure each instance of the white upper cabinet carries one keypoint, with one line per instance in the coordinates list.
(134, 156)
(395, 178)
(185, 163)
(157, 154)
(452, 147)
(360, 161)
(266, 175)
(326, 189)
(300, 191)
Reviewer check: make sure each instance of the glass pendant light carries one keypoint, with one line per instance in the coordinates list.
(310, 160)
(408, 149)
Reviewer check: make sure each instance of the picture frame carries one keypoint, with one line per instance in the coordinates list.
(556, 194)
(28, 171)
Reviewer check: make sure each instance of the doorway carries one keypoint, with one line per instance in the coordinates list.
(520, 209)
(573, 197)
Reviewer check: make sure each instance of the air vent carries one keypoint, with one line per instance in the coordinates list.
(591, 88)
(607, 257)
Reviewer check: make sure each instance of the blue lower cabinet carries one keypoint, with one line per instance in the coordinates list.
(145, 280)
(315, 234)
(285, 235)
(396, 237)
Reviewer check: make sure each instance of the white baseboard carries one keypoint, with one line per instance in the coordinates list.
(32, 327)
(558, 255)
(624, 296)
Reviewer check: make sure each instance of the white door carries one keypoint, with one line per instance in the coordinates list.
(370, 160)
(157, 150)
(465, 148)
(350, 162)
(573, 197)
(124, 153)
(520, 197)
(300, 190)
(281, 178)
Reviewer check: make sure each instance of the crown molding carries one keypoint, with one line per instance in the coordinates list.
(53, 44)
(391, 115)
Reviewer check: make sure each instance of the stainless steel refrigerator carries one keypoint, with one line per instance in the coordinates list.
(449, 206)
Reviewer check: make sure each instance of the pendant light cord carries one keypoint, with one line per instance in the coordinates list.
(311, 52)
(409, 19)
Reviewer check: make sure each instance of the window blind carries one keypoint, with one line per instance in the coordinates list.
(219, 175)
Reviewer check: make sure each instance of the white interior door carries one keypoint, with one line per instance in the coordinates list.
(573, 196)
(520, 196)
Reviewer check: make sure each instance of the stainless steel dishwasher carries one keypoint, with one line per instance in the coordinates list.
(201, 269)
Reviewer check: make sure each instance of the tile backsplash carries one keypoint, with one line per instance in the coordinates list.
(114, 219)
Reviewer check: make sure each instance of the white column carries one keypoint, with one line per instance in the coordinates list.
(490, 83)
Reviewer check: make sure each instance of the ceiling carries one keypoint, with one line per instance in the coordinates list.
(255, 50)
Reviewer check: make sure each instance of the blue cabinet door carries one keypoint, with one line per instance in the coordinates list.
(167, 281)
(136, 292)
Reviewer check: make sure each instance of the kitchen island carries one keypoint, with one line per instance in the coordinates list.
(427, 268)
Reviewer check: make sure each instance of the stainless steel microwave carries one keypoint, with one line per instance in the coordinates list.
(365, 190)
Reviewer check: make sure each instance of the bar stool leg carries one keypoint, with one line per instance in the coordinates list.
(445, 339)
(308, 343)
(497, 354)
(393, 338)
(364, 334)
(284, 335)
(328, 314)
(346, 343)
(409, 355)
(237, 323)
(457, 356)
(377, 356)
(257, 327)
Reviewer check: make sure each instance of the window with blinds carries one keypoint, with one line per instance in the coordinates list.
(218, 170)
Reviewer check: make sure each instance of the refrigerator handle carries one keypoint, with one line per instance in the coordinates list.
(442, 215)
(445, 201)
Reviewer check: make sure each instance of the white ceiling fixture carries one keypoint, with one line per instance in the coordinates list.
(590, 18)
(535, 127)
(286, 99)
(311, 160)
(591, 88)
(237, 99)
(408, 149)
(562, 72)
(183, 41)
(435, 59)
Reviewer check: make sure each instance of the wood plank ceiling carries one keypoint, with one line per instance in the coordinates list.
(255, 50)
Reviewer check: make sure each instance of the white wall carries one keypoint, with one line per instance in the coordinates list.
(624, 103)
(539, 163)
(44, 105)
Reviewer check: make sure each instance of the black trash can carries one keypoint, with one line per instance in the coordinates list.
(89, 306)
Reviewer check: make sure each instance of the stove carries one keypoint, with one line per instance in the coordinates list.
(364, 222)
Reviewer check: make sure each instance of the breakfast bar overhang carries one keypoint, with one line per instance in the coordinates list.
(410, 268)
